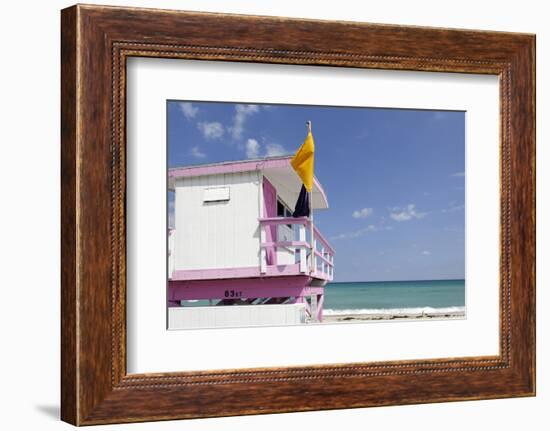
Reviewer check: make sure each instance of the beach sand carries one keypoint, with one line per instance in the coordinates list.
(377, 317)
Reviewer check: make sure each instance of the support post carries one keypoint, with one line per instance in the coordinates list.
(311, 235)
(313, 257)
(314, 308)
(323, 263)
(303, 251)
(313, 268)
(320, 301)
(263, 251)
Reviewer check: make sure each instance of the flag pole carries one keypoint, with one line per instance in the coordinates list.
(311, 231)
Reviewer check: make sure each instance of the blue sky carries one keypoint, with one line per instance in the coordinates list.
(394, 177)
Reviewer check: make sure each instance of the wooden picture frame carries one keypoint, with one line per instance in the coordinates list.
(95, 43)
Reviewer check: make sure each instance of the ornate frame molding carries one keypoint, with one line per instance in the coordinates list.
(96, 41)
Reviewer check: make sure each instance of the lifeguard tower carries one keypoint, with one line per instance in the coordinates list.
(236, 245)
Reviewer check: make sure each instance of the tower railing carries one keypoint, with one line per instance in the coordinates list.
(319, 264)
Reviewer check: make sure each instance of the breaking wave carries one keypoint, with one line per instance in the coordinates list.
(395, 311)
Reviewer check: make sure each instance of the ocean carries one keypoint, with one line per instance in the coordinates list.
(394, 297)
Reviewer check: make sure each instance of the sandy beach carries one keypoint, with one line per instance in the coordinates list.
(409, 316)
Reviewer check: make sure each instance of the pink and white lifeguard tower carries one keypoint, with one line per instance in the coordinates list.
(236, 244)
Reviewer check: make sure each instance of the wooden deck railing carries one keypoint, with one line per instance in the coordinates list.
(319, 264)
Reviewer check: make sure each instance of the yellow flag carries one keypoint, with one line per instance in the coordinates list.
(302, 162)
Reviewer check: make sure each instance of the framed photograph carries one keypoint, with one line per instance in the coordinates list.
(243, 254)
(324, 214)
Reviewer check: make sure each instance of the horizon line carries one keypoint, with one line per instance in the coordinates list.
(396, 281)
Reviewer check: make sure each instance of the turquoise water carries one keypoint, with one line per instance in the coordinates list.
(398, 296)
(388, 297)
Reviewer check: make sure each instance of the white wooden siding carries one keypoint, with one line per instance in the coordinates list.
(223, 234)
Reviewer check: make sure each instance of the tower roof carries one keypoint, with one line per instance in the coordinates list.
(277, 169)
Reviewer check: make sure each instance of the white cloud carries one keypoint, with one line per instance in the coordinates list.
(355, 234)
(196, 152)
(211, 130)
(188, 110)
(252, 148)
(426, 253)
(362, 213)
(458, 174)
(361, 232)
(241, 114)
(273, 150)
(407, 213)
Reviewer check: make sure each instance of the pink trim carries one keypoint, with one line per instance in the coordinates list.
(230, 273)
(323, 258)
(285, 244)
(229, 167)
(283, 220)
(278, 270)
(248, 288)
(323, 240)
(270, 210)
